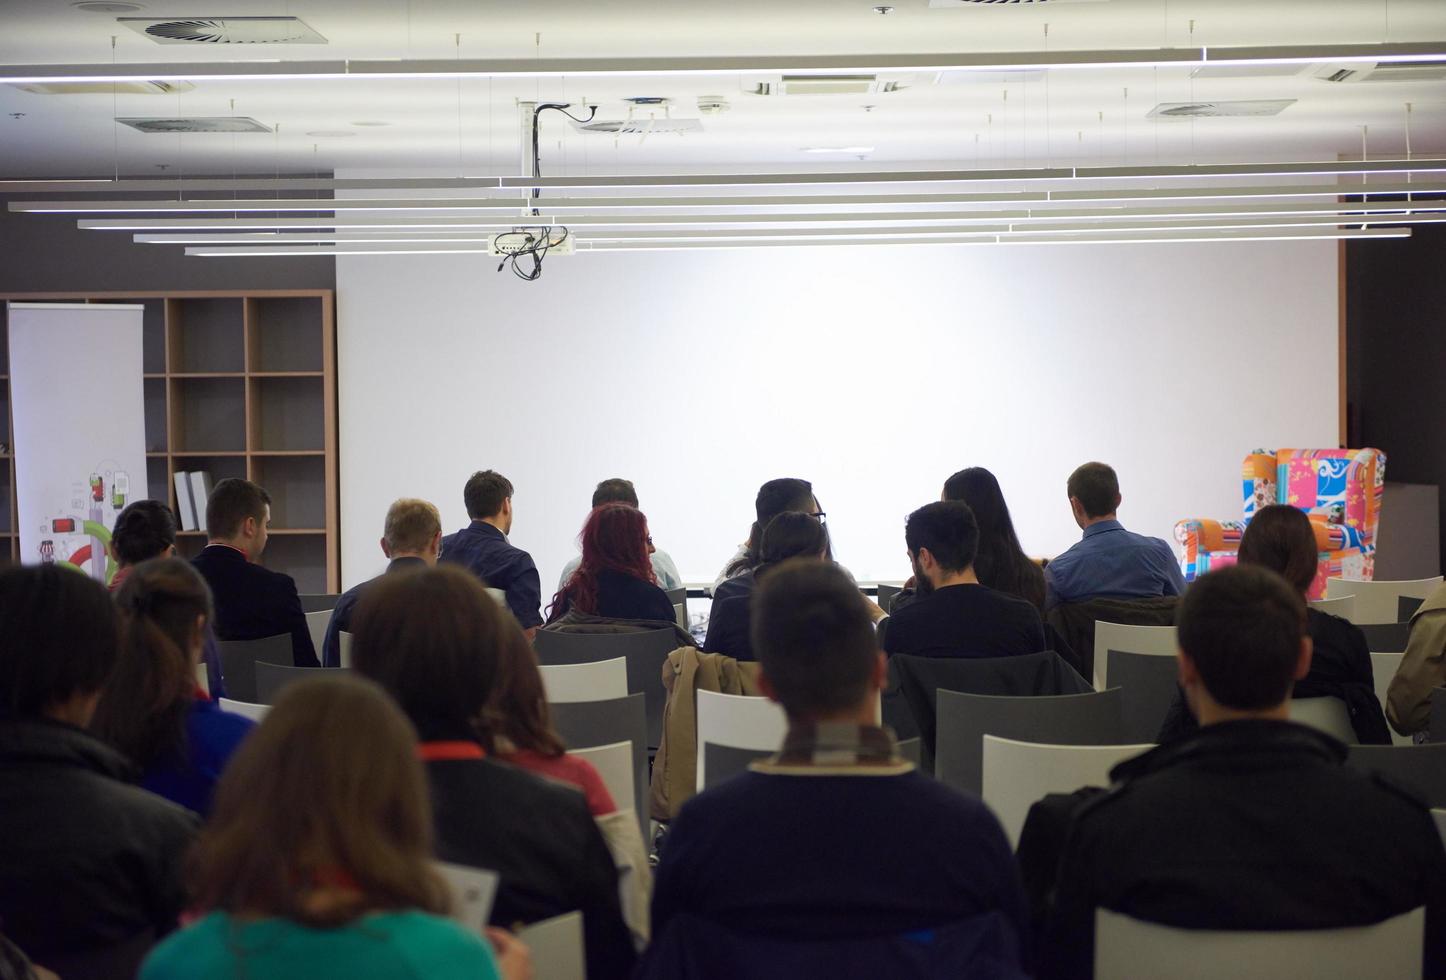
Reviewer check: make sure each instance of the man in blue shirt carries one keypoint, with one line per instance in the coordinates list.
(483, 549)
(1109, 562)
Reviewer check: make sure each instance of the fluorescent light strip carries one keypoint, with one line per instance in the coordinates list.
(279, 70)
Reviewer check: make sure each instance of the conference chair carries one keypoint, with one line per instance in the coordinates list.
(886, 594)
(1019, 774)
(343, 651)
(240, 657)
(1130, 639)
(1440, 817)
(679, 598)
(1126, 949)
(601, 680)
(318, 602)
(1406, 607)
(1421, 767)
(614, 763)
(1383, 670)
(316, 624)
(1386, 637)
(1342, 606)
(1379, 601)
(1329, 715)
(473, 891)
(589, 724)
(271, 679)
(964, 719)
(755, 724)
(1148, 683)
(253, 711)
(645, 652)
(556, 945)
(1436, 732)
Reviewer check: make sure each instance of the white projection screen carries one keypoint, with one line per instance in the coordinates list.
(875, 372)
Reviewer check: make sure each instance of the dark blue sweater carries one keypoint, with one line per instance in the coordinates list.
(212, 736)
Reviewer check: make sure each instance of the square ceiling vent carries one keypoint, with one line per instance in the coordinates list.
(224, 30)
(1200, 110)
(194, 124)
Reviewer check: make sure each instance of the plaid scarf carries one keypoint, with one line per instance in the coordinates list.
(834, 747)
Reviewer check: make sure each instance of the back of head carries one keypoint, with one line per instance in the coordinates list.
(231, 502)
(163, 604)
(412, 526)
(146, 529)
(517, 710)
(947, 529)
(615, 491)
(1242, 627)
(1000, 562)
(1280, 538)
(813, 638)
(1096, 487)
(431, 637)
(614, 539)
(792, 534)
(484, 494)
(774, 497)
(58, 638)
(327, 789)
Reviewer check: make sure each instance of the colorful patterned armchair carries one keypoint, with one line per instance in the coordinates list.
(1339, 489)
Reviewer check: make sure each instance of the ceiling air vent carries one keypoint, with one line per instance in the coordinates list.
(640, 127)
(827, 84)
(224, 30)
(1408, 71)
(197, 124)
(105, 88)
(1199, 110)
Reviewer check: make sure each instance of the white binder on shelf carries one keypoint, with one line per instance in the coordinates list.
(185, 509)
(200, 493)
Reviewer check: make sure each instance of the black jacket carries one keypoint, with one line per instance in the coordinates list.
(253, 602)
(543, 843)
(1246, 825)
(88, 862)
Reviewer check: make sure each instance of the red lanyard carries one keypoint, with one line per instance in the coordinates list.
(446, 751)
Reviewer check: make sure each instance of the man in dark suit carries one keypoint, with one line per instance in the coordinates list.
(483, 549)
(251, 601)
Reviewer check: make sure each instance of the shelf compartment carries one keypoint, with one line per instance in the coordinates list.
(156, 426)
(302, 556)
(297, 485)
(158, 480)
(287, 414)
(206, 335)
(208, 415)
(7, 519)
(284, 334)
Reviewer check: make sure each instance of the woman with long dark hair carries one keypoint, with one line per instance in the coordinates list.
(791, 534)
(152, 709)
(1001, 563)
(774, 497)
(615, 579)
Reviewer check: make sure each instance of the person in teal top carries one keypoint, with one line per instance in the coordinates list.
(316, 863)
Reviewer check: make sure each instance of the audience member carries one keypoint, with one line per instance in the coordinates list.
(252, 602)
(621, 491)
(1001, 563)
(1108, 562)
(774, 497)
(482, 548)
(792, 534)
(89, 864)
(152, 710)
(1281, 538)
(317, 861)
(1252, 823)
(433, 639)
(836, 837)
(615, 579)
(411, 538)
(954, 615)
(1423, 668)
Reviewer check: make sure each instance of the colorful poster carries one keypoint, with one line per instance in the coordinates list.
(77, 391)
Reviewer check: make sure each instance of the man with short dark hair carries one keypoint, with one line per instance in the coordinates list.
(482, 547)
(1108, 562)
(952, 614)
(411, 538)
(252, 602)
(836, 837)
(621, 491)
(1252, 823)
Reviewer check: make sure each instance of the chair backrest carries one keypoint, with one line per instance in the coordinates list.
(203, 677)
(723, 762)
(1440, 817)
(473, 891)
(1383, 670)
(1406, 607)
(644, 650)
(588, 724)
(1131, 639)
(614, 763)
(1129, 948)
(253, 711)
(271, 679)
(1379, 601)
(679, 598)
(1019, 774)
(1421, 767)
(1329, 715)
(316, 624)
(739, 722)
(1386, 637)
(964, 719)
(240, 657)
(601, 680)
(318, 602)
(1148, 683)
(1338, 486)
(1436, 730)
(886, 594)
(556, 946)
(1343, 606)
(498, 596)
(343, 649)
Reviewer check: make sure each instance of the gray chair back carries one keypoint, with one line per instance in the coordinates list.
(910, 749)
(1420, 767)
(722, 762)
(588, 724)
(886, 595)
(271, 679)
(239, 659)
(679, 598)
(318, 602)
(1406, 606)
(1148, 684)
(1386, 637)
(1072, 719)
(645, 651)
(1436, 732)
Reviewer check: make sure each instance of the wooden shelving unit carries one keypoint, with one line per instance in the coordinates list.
(239, 384)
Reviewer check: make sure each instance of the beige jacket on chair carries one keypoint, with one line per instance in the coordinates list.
(1423, 668)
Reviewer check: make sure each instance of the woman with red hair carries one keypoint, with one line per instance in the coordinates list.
(615, 579)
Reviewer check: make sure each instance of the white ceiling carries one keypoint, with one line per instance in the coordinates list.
(1065, 117)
